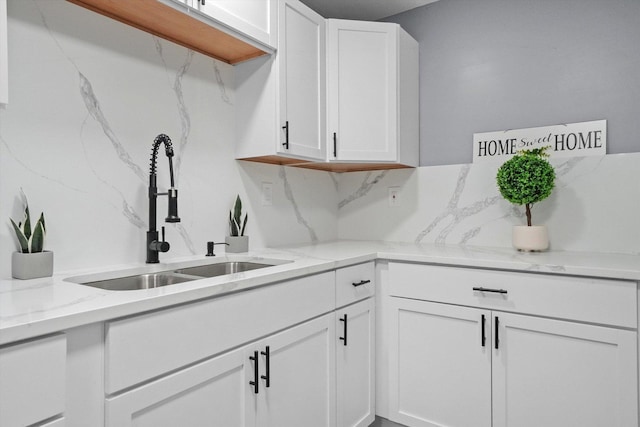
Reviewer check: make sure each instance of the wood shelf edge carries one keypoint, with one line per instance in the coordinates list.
(325, 166)
(175, 26)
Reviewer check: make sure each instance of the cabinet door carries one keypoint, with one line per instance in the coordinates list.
(251, 17)
(557, 373)
(355, 364)
(301, 62)
(440, 365)
(32, 381)
(301, 376)
(362, 90)
(214, 392)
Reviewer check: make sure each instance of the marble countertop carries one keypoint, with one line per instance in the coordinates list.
(29, 308)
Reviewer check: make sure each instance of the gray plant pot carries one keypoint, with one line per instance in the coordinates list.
(237, 244)
(31, 266)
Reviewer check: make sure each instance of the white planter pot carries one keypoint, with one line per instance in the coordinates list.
(31, 266)
(530, 238)
(237, 244)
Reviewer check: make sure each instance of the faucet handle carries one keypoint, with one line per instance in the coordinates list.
(162, 245)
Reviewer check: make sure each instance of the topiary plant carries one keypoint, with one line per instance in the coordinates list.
(30, 240)
(526, 178)
(235, 216)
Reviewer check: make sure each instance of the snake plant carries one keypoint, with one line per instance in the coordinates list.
(235, 219)
(31, 239)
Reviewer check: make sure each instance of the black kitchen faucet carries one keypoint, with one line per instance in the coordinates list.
(155, 246)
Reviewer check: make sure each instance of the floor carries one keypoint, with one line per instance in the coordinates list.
(383, 422)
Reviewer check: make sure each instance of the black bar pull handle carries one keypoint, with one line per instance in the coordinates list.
(495, 291)
(256, 374)
(335, 145)
(497, 341)
(360, 283)
(483, 335)
(286, 135)
(344, 338)
(267, 376)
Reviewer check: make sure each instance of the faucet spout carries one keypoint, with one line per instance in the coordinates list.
(154, 245)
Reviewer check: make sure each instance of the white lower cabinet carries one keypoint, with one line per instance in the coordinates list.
(440, 371)
(460, 366)
(295, 376)
(32, 382)
(355, 364)
(557, 373)
(283, 380)
(214, 392)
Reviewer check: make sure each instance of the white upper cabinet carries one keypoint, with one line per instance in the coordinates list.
(251, 17)
(341, 98)
(372, 70)
(280, 100)
(302, 91)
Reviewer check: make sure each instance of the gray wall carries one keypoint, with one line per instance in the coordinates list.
(490, 65)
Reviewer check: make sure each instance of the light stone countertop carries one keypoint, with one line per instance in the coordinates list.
(30, 308)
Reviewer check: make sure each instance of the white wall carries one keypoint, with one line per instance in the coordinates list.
(87, 97)
(593, 208)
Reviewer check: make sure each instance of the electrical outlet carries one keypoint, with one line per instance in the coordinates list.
(394, 196)
(267, 194)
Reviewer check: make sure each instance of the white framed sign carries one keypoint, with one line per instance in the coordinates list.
(569, 140)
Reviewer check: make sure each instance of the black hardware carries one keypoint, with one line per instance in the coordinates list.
(254, 383)
(286, 135)
(210, 246)
(344, 319)
(267, 377)
(335, 146)
(497, 340)
(495, 291)
(360, 283)
(484, 336)
(154, 246)
(202, 1)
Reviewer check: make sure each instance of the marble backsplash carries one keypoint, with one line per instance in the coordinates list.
(594, 207)
(87, 97)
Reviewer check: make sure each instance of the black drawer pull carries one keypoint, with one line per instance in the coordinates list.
(497, 328)
(285, 144)
(483, 336)
(360, 283)
(344, 339)
(256, 374)
(267, 377)
(495, 291)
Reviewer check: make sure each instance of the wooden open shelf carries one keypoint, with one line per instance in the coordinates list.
(351, 167)
(177, 26)
(325, 166)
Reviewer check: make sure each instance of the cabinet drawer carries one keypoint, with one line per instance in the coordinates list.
(147, 346)
(32, 388)
(354, 283)
(608, 302)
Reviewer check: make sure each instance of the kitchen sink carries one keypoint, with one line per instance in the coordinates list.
(141, 281)
(212, 270)
(133, 282)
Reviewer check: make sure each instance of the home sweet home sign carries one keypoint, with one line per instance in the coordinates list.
(570, 140)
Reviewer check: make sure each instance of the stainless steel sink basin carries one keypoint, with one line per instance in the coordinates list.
(141, 281)
(212, 270)
(133, 282)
